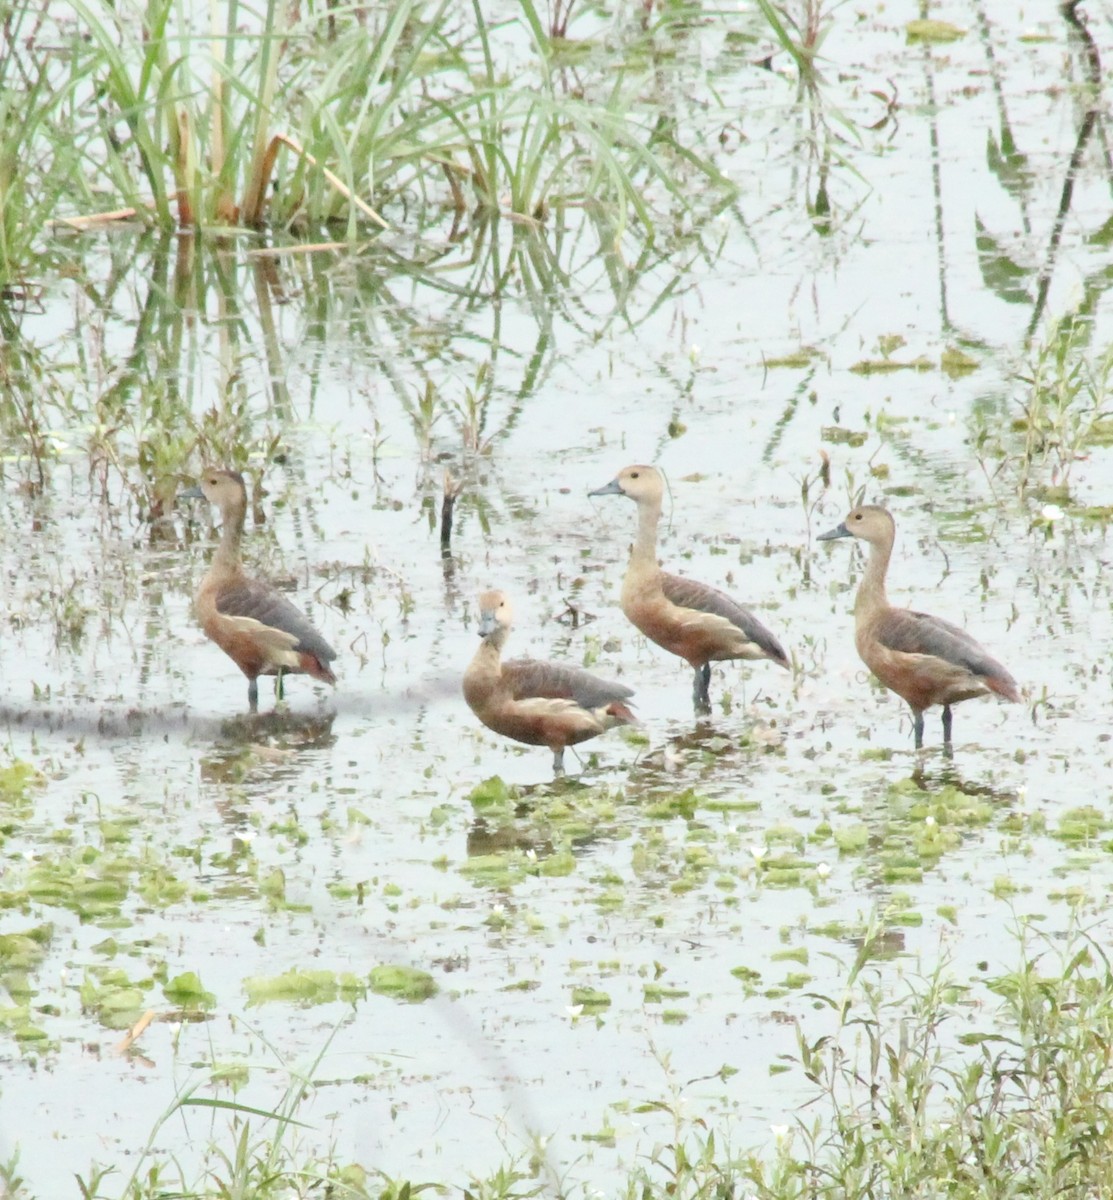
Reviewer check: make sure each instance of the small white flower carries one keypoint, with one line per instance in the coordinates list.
(929, 821)
(1051, 512)
(823, 870)
(246, 835)
(1022, 792)
(574, 1010)
(952, 417)
(694, 352)
(531, 854)
(758, 852)
(780, 1132)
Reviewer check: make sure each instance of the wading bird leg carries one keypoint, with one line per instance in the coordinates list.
(253, 695)
(918, 728)
(701, 686)
(558, 761)
(946, 724)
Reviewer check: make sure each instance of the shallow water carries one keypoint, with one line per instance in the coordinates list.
(169, 833)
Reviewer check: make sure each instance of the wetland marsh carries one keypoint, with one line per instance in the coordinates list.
(887, 277)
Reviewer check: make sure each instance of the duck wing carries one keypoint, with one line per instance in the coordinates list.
(263, 603)
(690, 593)
(908, 632)
(531, 679)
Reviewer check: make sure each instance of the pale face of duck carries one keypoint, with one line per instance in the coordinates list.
(225, 489)
(495, 613)
(870, 522)
(643, 484)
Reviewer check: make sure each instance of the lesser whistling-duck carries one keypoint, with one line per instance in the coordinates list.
(250, 620)
(923, 659)
(539, 703)
(690, 619)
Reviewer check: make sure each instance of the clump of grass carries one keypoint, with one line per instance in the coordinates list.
(36, 155)
(278, 116)
(1065, 412)
(915, 1103)
(1067, 407)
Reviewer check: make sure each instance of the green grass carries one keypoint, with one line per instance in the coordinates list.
(1063, 412)
(333, 114)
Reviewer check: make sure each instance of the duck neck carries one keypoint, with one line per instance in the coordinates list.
(228, 553)
(487, 663)
(493, 644)
(645, 545)
(871, 591)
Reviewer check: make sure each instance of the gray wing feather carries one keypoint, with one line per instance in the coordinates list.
(689, 593)
(909, 632)
(268, 606)
(553, 681)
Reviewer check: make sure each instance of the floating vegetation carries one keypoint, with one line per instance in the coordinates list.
(305, 987)
(402, 983)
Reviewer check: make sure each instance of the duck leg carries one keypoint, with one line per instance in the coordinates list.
(946, 724)
(918, 728)
(279, 688)
(253, 695)
(558, 761)
(701, 686)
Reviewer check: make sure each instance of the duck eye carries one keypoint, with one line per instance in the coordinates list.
(633, 474)
(857, 516)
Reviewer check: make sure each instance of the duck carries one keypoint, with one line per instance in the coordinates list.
(927, 661)
(692, 620)
(537, 703)
(250, 619)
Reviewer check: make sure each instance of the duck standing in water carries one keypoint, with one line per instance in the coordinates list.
(250, 620)
(539, 703)
(923, 659)
(692, 620)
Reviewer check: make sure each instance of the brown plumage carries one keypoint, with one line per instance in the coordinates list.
(923, 659)
(692, 620)
(539, 703)
(250, 620)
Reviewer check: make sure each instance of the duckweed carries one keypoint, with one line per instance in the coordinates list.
(304, 987)
(401, 982)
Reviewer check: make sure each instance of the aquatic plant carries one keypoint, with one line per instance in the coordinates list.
(277, 117)
(1065, 411)
(1067, 408)
(927, 1092)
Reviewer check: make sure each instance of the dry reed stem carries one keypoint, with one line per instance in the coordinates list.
(132, 1035)
(334, 179)
(280, 251)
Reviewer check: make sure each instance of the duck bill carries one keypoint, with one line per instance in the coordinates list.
(192, 493)
(839, 531)
(487, 624)
(614, 488)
